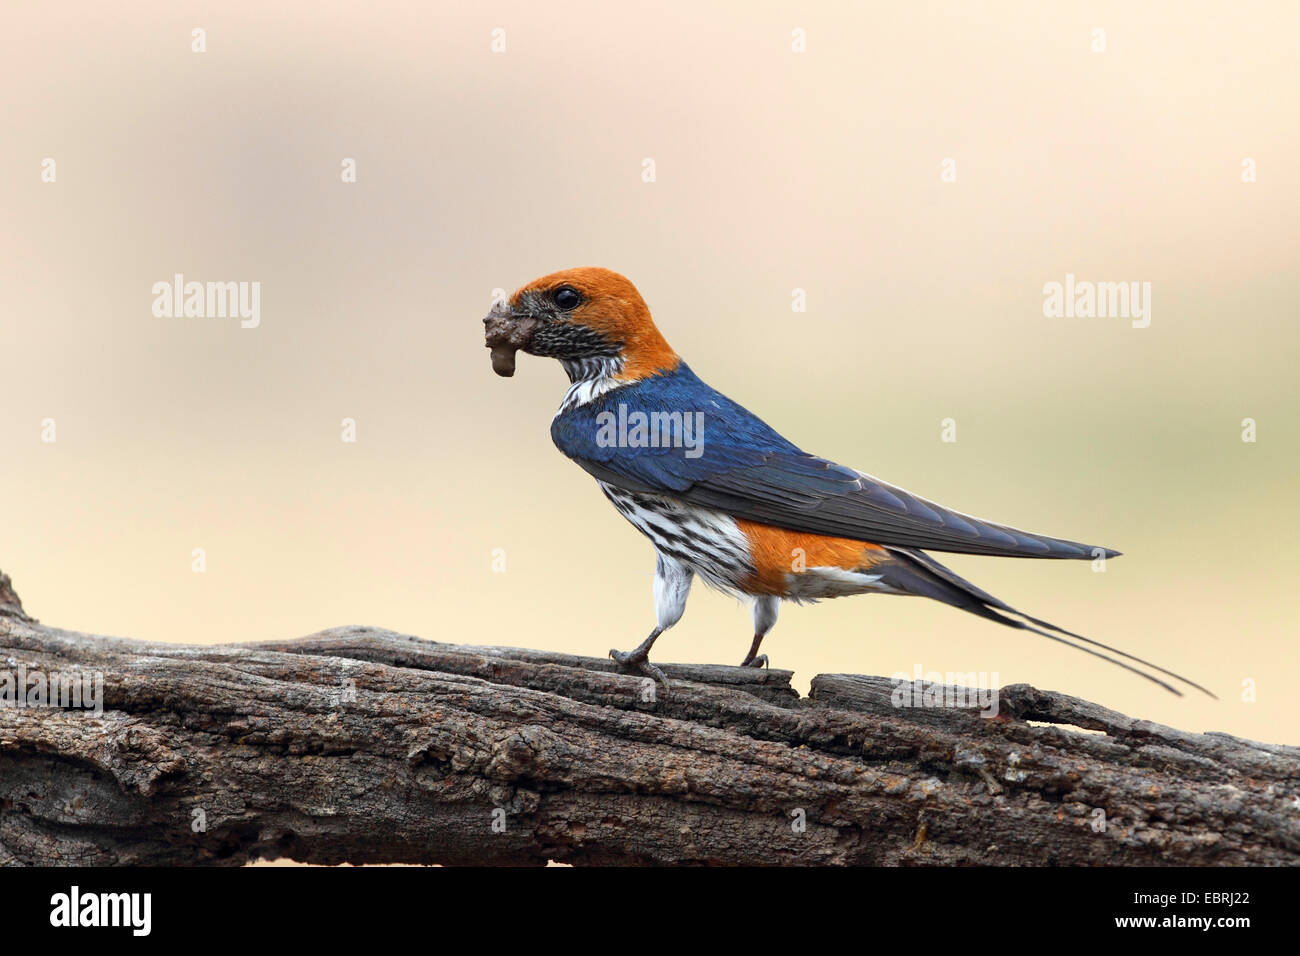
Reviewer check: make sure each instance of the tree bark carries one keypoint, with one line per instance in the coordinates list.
(362, 745)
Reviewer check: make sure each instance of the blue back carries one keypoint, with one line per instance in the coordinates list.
(729, 435)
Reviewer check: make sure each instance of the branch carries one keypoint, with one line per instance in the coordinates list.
(362, 745)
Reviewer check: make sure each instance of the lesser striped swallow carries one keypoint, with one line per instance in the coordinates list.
(723, 496)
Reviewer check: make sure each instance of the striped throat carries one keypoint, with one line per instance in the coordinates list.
(590, 378)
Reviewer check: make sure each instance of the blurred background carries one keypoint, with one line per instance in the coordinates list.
(774, 170)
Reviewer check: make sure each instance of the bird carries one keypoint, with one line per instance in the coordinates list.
(724, 497)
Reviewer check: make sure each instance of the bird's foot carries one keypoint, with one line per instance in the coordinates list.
(752, 661)
(639, 660)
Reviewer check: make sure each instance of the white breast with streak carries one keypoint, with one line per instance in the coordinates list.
(707, 541)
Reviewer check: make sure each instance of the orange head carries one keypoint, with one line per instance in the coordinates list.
(583, 315)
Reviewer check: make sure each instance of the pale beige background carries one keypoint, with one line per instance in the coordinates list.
(775, 171)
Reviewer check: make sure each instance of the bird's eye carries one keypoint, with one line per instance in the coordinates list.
(566, 298)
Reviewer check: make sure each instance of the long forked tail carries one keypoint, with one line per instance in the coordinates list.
(915, 572)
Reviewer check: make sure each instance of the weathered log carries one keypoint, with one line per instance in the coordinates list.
(362, 745)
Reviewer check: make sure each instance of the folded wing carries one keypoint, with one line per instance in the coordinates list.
(741, 466)
(805, 493)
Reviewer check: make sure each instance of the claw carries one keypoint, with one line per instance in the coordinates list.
(638, 660)
(752, 661)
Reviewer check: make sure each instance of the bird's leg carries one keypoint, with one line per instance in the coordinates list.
(765, 610)
(753, 658)
(672, 585)
(639, 658)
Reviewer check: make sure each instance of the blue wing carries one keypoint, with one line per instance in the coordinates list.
(730, 460)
